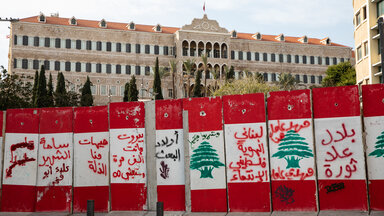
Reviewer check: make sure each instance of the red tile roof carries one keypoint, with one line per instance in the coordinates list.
(166, 30)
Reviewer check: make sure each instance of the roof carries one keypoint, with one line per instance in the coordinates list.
(165, 30)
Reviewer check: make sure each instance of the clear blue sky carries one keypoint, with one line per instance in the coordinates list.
(314, 18)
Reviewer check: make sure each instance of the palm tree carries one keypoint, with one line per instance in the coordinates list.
(216, 76)
(172, 66)
(287, 81)
(204, 59)
(188, 65)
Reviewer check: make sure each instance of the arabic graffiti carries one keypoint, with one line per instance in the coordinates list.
(291, 174)
(285, 194)
(130, 157)
(379, 146)
(293, 149)
(168, 153)
(334, 187)
(249, 161)
(29, 145)
(164, 170)
(203, 136)
(205, 159)
(96, 163)
(280, 128)
(337, 152)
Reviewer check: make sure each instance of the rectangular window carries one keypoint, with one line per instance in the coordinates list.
(128, 69)
(366, 48)
(304, 59)
(128, 48)
(36, 41)
(327, 60)
(257, 56)
(273, 57)
(170, 93)
(78, 67)
(138, 48)
(24, 63)
(281, 58)
(312, 79)
(320, 79)
(93, 89)
(109, 68)
(147, 71)
(249, 57)
(78, 44)
(25, 40)
(122, 88)
(335, 61)
(118, 69)
(156, 50)
(109, 46)
(265, 57)
(342, 60)
(88, 67)
(89, 45)
(58, 43)
(67, 66)
(380, 8)
(364, 11)
(68, 43)
(265, 75)
(297, 59)
(289, 58)
(232, 54)
(15, 40)
(98, 45)
(36, 64)
(57, 65)
(112, 90)
(118, 47)
(305, 79)
(14, 63)
(240, 55)
(273, 77)
(103, 90)
(312, 59)
(297, 77)
(138, 72)
(146, 49)
(165, 50)
(47, 65)
(98, 68)
(358, 18)
(320, 60)
(47, 42)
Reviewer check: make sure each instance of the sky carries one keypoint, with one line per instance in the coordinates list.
(314, 18)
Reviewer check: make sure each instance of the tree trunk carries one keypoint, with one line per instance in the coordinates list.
(173, 85)
(205, 83)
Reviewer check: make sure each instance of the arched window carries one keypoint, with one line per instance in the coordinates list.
(42, 18)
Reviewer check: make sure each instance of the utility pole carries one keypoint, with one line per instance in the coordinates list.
(380, 24)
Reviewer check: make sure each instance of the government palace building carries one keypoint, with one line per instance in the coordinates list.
(110, 53)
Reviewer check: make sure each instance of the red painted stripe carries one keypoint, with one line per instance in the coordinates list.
(373, 100)
(249, 197)
(128, 197)
(204, 114)
(173, 197)
(91, 119)
(352, 197)
(127, 115)
(336, 102)
(169, 114)
(54, 198)
(22, 121)
(303, 197)
(376, 195)
(289, 105)
(56, 120)
(18, 198)
(249, 108)
(210, 200)
(100, 195)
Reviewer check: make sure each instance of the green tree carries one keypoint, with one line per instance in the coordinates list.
(244, 86)
(13, 92)
(60, 95)
(205, 159)
(188, 65)
(126, 90)
(341, 74)
(157, 82)
(133, 93)
(173, 69)
(230, 76)
(50, 101)
(205, 69)
(216, 76)
(259, 77)
(379, 146)
(35, 83)
(86, 94)
(287, 82)
(41, 96)
(293, 149)
(197, 87)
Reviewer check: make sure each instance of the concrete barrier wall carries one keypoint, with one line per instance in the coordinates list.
(291, 151)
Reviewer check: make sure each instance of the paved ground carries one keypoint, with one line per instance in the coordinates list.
(322, 213)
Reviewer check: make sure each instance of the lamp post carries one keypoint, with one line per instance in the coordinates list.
(380, 24)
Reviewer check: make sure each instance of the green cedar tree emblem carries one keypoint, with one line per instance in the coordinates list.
(293, 149)
(379, 147)
(205, 159)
